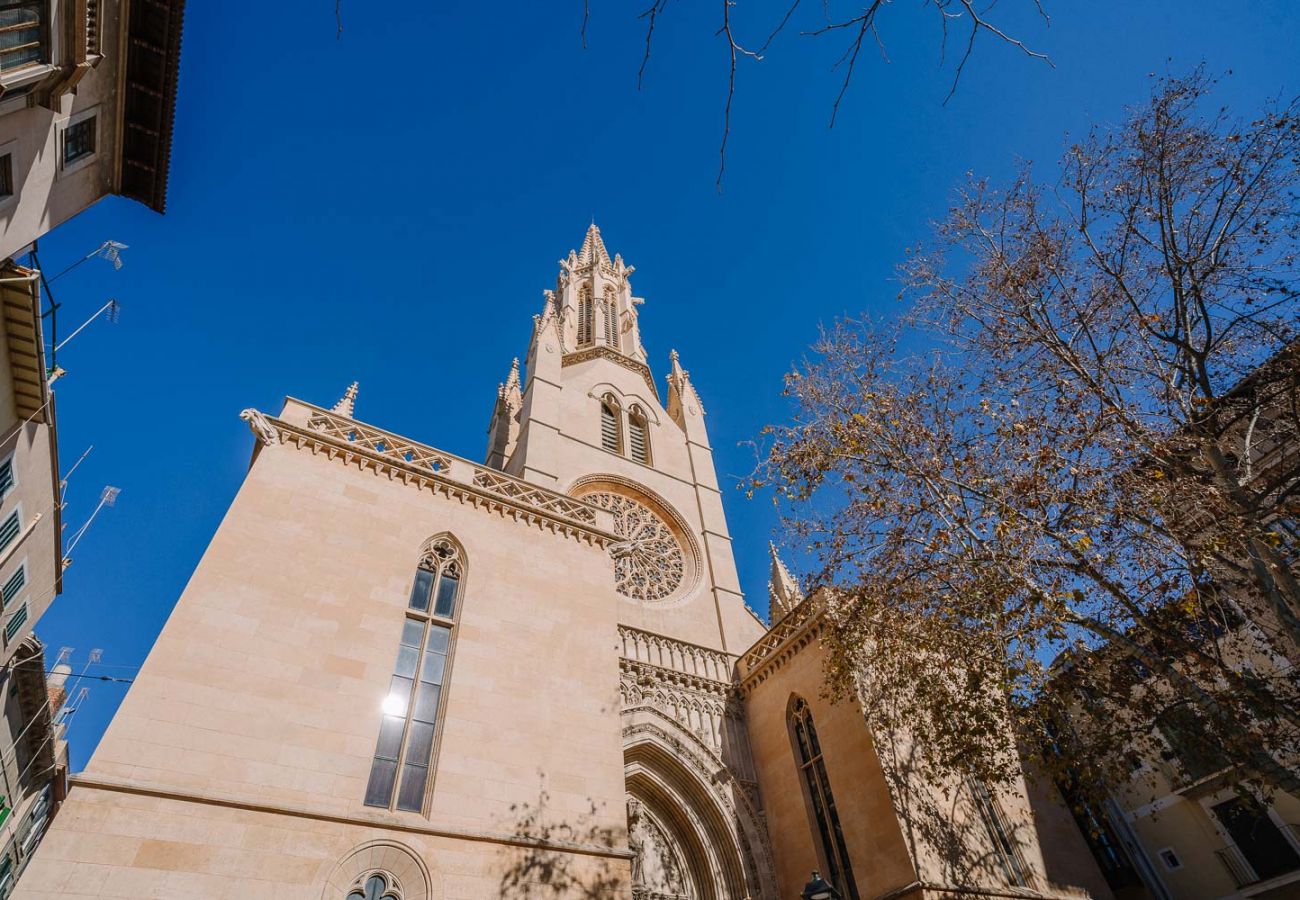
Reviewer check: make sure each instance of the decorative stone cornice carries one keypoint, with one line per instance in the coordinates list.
(426, 468)
(783, 641)
(711, 668)
(603, 352)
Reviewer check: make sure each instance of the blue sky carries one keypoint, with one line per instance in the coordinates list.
(388, 207)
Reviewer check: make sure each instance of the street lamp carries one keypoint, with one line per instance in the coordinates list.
(818, 889)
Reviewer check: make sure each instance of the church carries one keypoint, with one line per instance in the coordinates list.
(400, 674)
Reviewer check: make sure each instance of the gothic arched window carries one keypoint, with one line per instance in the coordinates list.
(1000, 835)
(611, 319)
(808, 752)
(638, 435)
(411, 710)
(586, 313)
(375, 888)
(611, 428)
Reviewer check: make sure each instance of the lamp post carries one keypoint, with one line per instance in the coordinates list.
(819, 889)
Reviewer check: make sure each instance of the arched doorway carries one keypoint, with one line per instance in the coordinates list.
(692, 839)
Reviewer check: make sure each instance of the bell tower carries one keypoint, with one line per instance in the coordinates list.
(585, 417)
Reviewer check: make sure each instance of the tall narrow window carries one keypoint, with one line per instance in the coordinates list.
(586, 312)
(809, 752)
(399, 774)
(638, 435)
(1012, 865)
(611, 319)
(611, 436)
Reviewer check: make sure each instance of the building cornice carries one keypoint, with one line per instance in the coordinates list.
(426, 468)
(602, 352)
(783, 641)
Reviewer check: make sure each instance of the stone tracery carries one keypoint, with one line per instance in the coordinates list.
(649, 563)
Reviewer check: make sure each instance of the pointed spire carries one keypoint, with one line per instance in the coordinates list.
(348, 404)
(593, 248)
(509, 389)
(680, 387)
(783, 591)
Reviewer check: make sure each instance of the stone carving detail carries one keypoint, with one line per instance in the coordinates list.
(648, 563)
(379, 442)
(375, 886)
(442, 556)
(505, 486)
(693, 687)
(793, 622)
(262, 427)
(658, 872)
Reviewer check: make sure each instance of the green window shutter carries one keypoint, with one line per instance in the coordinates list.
(6, 476)
(15, 623)
(15, 584)
(9, 530)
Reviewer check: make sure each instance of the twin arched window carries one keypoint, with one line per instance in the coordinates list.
(808, 754)
(611, 430)
(399, 773)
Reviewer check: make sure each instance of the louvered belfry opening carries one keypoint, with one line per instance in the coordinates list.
(611, 320)
(586, 313)
(637, 437)
(610, 438)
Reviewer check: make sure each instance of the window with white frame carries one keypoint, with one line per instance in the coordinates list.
(78, 141)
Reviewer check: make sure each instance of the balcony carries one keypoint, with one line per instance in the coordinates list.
(1240, 870)
(1275, 864)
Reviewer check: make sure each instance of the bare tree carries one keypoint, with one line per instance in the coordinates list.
(1079, 444)
(858, 26)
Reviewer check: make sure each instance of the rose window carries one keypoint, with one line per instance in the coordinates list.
(648, 563)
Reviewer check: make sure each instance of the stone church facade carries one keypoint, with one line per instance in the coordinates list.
(398, 674)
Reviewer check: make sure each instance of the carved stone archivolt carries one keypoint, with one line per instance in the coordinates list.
(690, 772)
(386, 867)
